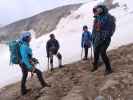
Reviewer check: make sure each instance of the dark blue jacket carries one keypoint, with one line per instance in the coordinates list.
(86, 39)
(103, 29)
(52, 46)
(106, 25)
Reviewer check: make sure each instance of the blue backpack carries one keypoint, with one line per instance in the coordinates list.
(14, 48)
(110, 25)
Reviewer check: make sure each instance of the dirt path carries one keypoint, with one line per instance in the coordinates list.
(76, 82)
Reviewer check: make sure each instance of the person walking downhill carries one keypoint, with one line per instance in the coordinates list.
(86, 41)
(103, 29)
(52, 48)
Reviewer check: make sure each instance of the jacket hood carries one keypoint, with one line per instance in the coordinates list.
(103, 7)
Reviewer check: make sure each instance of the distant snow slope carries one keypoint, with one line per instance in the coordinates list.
(68, 32)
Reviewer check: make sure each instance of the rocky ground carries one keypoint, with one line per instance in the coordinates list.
(76, 82)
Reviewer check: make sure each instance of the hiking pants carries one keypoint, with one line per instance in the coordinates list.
(25, 74)
(86, 52)
(59, 56)
(101, 50)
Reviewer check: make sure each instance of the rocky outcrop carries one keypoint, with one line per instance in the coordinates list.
(42, 23)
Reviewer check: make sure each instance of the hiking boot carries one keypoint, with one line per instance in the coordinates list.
(52, 69)
(24, 92)
(60, 66)
(94, 69)
(85, 58)
(100, 63)
(108, 72)
(46, 85)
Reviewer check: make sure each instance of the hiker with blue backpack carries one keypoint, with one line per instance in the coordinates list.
(85, 41)
(103, 29)
(21, 54)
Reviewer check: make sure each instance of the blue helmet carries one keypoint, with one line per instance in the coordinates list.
(25, 35)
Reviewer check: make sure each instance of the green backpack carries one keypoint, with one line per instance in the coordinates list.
(14, 48)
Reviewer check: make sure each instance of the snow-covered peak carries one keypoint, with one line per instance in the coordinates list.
(127, 4)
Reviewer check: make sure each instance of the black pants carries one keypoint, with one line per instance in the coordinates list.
(101, 51)
(59, 56)
(25, 74)
(86, 52)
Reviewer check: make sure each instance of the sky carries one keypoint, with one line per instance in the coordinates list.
(13, 10)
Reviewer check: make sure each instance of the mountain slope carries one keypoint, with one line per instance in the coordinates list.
(68, 32)
(76, 82)
(42, 23)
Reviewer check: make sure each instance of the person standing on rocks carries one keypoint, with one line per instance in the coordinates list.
(103, 29)
(27, 63)
(52, 48)
(86, 41)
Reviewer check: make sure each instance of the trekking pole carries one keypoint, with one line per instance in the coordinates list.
(32, 72)
(48, 63)
(81, 53)
(91, 56)
(91, 53)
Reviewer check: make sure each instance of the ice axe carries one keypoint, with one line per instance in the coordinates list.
(34, 62)
(91, 56)
(48, 63)
(91, 53)
(81, 53)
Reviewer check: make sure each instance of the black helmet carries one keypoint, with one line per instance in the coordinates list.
(94, 9)
(52, 36)
(85, 27)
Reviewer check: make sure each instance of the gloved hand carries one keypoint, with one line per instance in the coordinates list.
(34, 61)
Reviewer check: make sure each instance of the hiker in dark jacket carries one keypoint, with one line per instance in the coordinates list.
(103, 30)
(27, 62)
(86, 41)
(52, 48)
